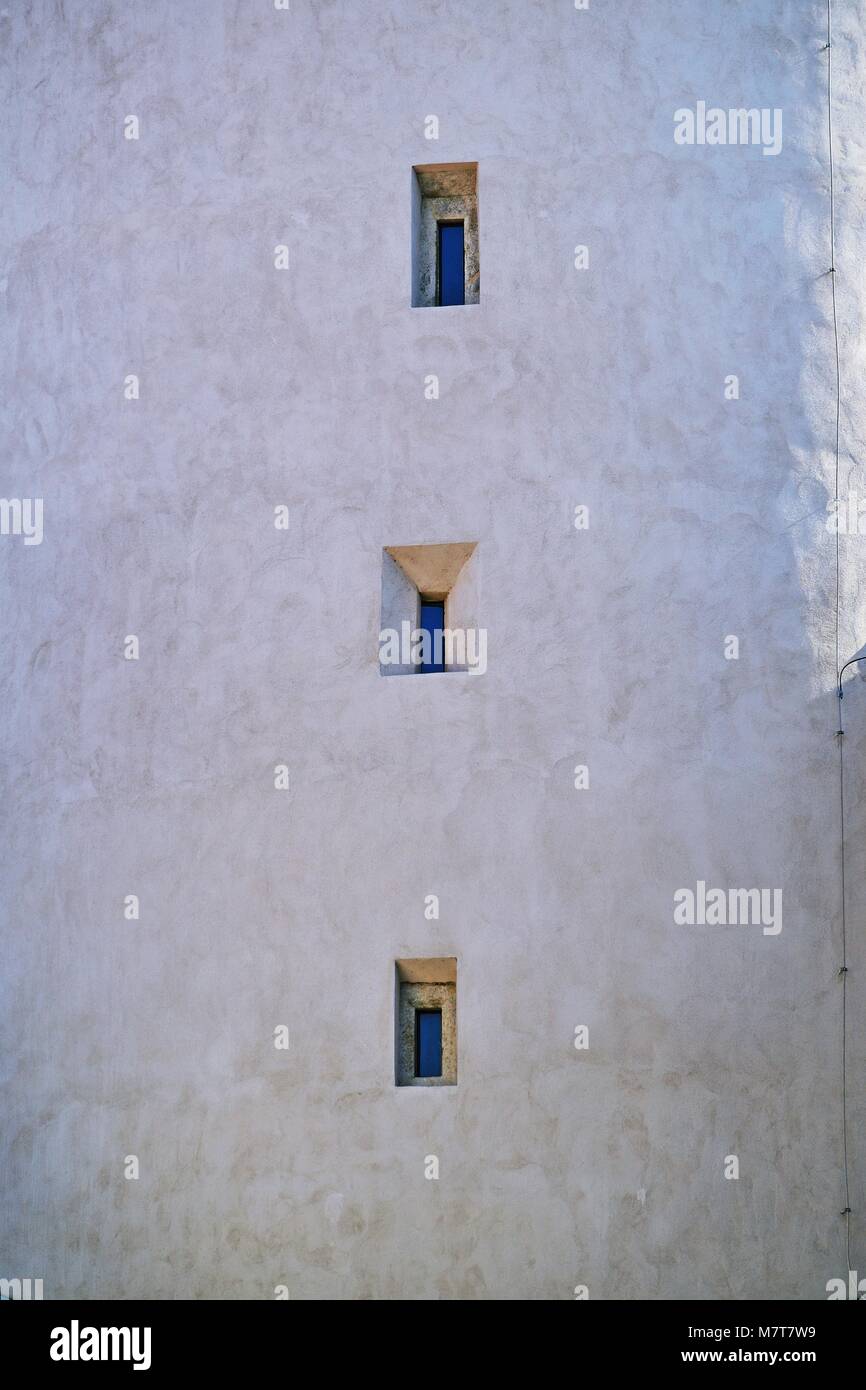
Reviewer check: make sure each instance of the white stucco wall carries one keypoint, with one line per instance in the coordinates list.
(258, 647)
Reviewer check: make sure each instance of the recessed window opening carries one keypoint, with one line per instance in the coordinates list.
(429, 614)
(451, 274)
(425, 1021)
(428, 1042)
(446, 267)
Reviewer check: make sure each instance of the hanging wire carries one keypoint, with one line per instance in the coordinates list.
(843, 972)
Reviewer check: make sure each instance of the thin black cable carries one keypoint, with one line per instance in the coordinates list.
(845, 668)
(839, 670)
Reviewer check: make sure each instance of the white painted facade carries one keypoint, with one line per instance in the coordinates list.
(258, 387)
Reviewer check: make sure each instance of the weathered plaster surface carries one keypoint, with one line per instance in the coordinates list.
(304, 387)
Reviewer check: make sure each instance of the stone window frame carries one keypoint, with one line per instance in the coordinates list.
(444, 193)
(415, 989)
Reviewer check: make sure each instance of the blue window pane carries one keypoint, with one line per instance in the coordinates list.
(433, 623)
(428, 1042)
(451, 274)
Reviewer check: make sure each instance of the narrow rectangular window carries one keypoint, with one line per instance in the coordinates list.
(452, 276)
(428, 1042)
(433, 624)
(425, 1022)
